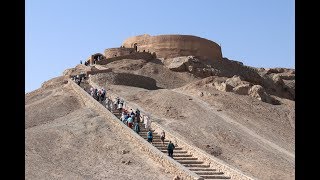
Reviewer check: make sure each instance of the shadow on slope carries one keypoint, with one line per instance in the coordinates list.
(127, 79)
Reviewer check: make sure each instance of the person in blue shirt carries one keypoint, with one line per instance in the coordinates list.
(130, 122)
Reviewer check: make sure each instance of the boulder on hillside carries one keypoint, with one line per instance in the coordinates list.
(277, 80)
(274, 70)
(290, 88)
(242, 89)
(222, 86)
(182, 63)
(259, 92)
(286, 76)
(234, 81)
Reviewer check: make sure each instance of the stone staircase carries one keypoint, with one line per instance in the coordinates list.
(182, 156)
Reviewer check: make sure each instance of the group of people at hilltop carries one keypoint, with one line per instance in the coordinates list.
(130, 118)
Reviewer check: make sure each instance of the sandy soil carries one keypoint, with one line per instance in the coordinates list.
(66, 140)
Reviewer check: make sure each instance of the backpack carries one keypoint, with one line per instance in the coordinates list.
(149, 134)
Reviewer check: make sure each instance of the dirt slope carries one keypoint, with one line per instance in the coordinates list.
(256, 137)
(153, 69)
(66, 140)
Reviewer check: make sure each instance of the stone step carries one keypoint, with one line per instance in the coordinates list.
(215, 177)
(208, 173)
(157, 138)
(145, 131)
(146, 134)
(179, 151)
(201, 169)
(160, 143)
(185, 158)
(154, 140)
(189, 162)
(197, 165)
(154, 137)
(182, 155)
(163, 148)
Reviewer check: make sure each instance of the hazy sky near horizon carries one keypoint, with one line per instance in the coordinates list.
(59, 33)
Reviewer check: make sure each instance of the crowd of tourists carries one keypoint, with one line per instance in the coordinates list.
(78, 78)
(131, 118)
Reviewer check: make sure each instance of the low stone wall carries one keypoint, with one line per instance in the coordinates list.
(169, 164)
(136, 55)
(126, 79)
(197, 152)
(114, 52)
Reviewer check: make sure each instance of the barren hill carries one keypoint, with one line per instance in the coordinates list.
(67, 140)
(242, 115)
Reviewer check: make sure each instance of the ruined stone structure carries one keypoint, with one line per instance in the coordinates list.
(95, 57)
(134, 55)
(169, 46)
(161, 46)
(115, 52)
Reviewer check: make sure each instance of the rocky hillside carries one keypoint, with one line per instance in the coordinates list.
(243, 115)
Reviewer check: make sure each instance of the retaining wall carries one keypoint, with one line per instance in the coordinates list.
(168, 163)
(114, 52)
(136, 55)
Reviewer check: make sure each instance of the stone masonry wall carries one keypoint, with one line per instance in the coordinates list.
(168, 163)
(136, 55)
(170, 46)
(114, 52)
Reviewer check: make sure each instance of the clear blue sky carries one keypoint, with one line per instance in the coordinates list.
(60, 33)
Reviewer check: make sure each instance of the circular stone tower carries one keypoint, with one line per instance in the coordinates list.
(170, 46)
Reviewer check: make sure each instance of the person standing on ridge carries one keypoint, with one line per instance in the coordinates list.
(170, 149)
